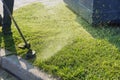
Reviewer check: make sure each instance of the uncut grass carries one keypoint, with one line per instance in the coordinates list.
(67, 46)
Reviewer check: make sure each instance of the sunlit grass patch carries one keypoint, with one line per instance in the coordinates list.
(48, 33)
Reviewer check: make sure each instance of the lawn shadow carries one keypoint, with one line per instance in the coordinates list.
(9, 44)
(106, 32)
(110, 33)
(0, 42)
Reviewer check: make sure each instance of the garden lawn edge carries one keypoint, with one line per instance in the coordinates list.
(22, 69)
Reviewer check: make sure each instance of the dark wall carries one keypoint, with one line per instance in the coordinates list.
(96, 11)
(106, 11)
(81, 7)
(107, 5)
(87, 3)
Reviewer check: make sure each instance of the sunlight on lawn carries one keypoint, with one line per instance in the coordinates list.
(59, 29)
(59, 42)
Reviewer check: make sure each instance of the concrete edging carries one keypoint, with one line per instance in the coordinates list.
(22, 69)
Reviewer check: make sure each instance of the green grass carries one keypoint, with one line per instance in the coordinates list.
(66, 45)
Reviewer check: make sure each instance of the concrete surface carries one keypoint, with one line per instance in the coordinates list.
(3, 74)
(21, 3)
(22, 69)
(17, 4)
(6, 76)
(4, 52)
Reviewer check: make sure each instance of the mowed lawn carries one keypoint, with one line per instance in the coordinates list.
(67, 46)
